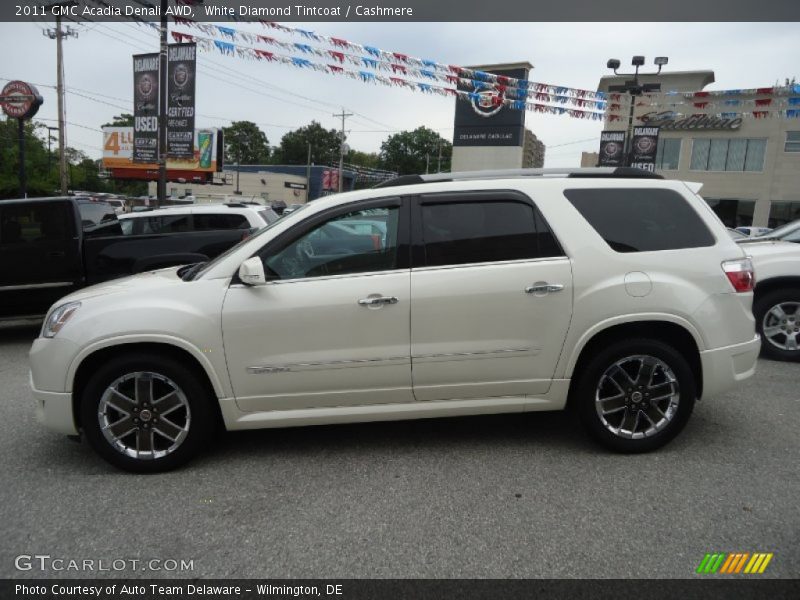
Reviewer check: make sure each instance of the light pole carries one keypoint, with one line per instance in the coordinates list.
(634, 88)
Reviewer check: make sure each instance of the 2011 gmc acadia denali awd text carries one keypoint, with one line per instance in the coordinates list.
(614, 292)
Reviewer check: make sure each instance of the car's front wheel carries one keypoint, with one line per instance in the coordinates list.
(635, 395)
(777, 316)
(146, 414)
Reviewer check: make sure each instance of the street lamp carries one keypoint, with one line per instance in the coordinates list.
(635, 88)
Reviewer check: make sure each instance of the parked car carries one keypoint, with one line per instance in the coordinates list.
(290, 209)
(776, 302)
(611, 291)
(754, 231)
(790, 232)
(50, 247)
(198, 217)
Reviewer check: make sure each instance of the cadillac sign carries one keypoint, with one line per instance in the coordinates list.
(669, 120)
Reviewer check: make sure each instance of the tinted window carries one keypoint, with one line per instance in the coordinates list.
(204, 222)
(333, 248)
(35, 222)
(93, 213)
(641, 220)
(269, 215)
(165, 224)
(471, 232)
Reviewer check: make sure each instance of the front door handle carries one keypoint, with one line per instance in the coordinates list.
(542, 287)
(378, 301)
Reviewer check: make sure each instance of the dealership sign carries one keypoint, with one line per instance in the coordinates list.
(145, 108)
(612, 146)
(671, 121)
(644, 147)
(20, 100)
(182, 61)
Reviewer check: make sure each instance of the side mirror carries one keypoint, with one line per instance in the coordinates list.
(252, 272)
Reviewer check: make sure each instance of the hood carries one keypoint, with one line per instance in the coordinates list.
(142, 281)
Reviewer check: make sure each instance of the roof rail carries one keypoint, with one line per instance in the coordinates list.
(593, 172)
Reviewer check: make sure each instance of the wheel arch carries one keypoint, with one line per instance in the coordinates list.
(682, 337)
(86, 364)
(775, 283)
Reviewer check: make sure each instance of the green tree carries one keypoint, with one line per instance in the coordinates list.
(246, 144)
(415, 152)
(123, 120)
(324, 145)
(42, 177)
(370, 160)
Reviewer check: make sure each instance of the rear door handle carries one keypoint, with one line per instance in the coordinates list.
(378, 301)
(542, 287)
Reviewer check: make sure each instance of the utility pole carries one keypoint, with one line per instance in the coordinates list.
(343, 115)
(162, 109)
(58, 35)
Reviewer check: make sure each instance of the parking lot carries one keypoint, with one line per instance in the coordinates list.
(500, 497)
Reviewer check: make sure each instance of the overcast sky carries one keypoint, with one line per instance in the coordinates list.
(98, 65)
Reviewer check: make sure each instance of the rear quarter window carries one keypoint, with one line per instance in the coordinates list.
(216, 221)
(641, 220)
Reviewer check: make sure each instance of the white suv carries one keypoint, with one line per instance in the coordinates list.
(615, 292)
(197, 217)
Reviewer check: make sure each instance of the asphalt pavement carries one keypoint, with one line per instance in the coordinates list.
(498, 497)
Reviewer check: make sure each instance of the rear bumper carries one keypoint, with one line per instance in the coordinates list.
(724, 367)
(54, 410)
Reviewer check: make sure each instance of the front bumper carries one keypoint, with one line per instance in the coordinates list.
(54, 410)
(724, 367)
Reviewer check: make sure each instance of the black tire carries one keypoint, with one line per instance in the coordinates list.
(763, 304)
(192, 421)
(593, 383)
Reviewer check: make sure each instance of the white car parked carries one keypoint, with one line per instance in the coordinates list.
(615, 292)
(197, 217)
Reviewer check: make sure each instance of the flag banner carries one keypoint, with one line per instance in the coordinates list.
(181, 77)
(145, 108)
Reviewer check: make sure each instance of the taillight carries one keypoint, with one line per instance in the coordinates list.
(740, 273)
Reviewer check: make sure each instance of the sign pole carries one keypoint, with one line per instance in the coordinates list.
(23, 183)
(162, 109)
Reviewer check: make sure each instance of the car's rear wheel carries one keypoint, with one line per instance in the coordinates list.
(777, 316)
(146, 414)
(635, 395)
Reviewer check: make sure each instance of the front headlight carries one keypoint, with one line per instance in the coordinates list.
(58, 318)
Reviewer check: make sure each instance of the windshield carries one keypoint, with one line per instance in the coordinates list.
(199, 273)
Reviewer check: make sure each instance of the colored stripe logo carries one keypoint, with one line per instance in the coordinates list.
(730, 563)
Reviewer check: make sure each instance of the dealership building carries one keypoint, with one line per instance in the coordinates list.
(748, 160)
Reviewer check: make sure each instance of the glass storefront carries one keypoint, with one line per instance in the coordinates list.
(783, 212)
(734, 213)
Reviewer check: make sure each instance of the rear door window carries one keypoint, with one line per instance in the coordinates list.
(641, 220)
(166, 224)
(484, 231)
(215, 221)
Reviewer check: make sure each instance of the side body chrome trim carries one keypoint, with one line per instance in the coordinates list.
(358, 362)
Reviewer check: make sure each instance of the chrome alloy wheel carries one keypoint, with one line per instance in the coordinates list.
(637, 397)
(781, 326)
(144, 415)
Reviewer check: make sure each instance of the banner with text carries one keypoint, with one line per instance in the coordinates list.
(181, 76)
(612, 146)
(145, 108)
(644, 147)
